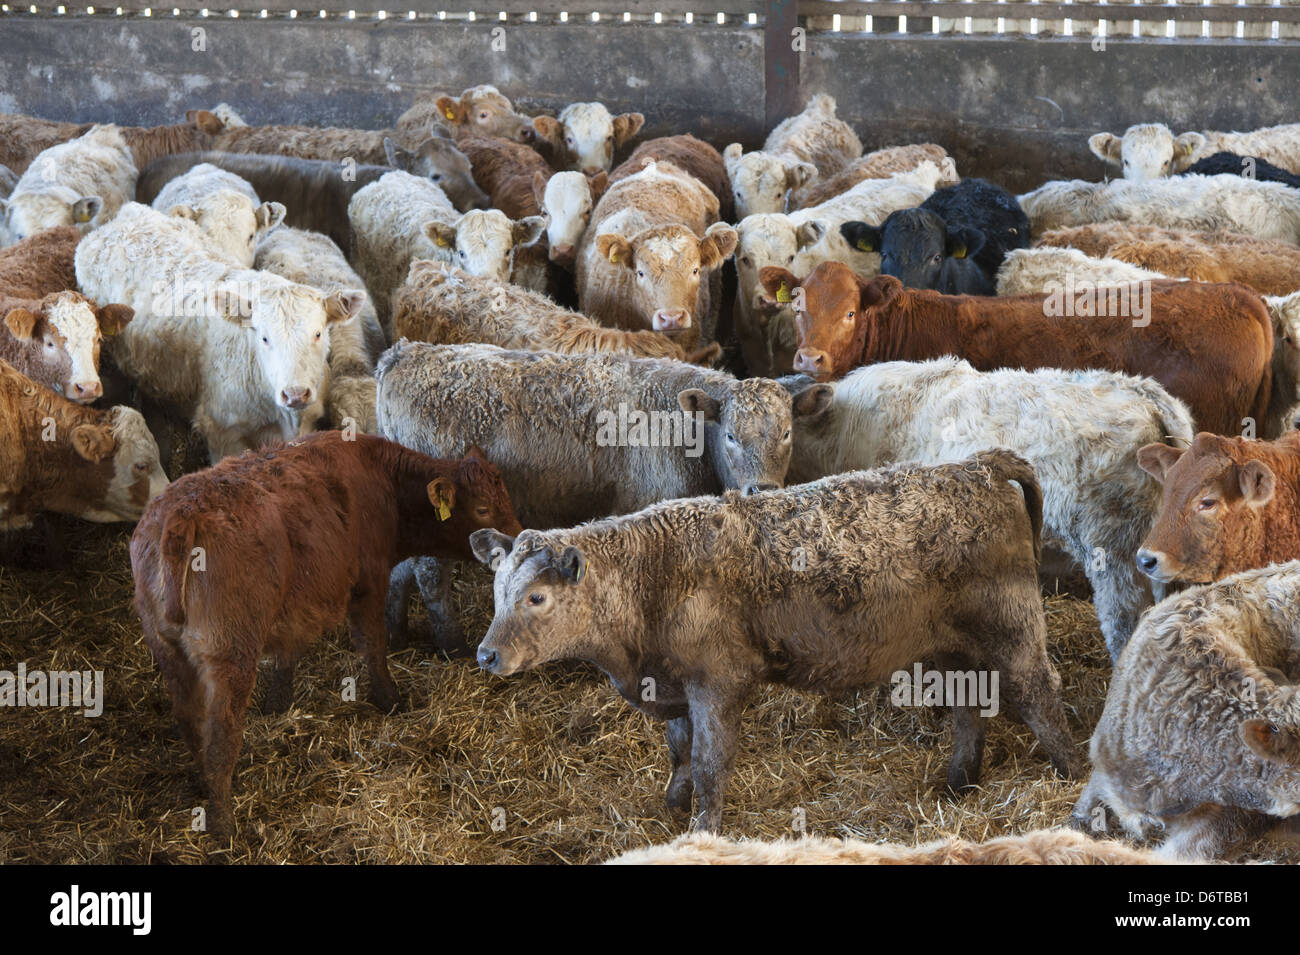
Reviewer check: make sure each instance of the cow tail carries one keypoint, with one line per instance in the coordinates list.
(1009, 466)
(176, 546)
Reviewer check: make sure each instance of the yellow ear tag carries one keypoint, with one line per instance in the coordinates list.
(959, 252)
(578, 576)
(864, 246)
(450, 115)
(783, 294)
(444, 510)
(443, 243)
(613, 256)
(81, 217)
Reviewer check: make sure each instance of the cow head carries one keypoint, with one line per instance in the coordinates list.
(769, 239)
(474, 498)
(1214, 506)
(483, 243)
(124, 444)
(1285, 310)
(918, 248)
(288, 326)
(1148, 151)
(438, 160)
(231, 224)
(761, 180)
(59, 339)
(566, 200)
(668, 262)
(839, 309)
(483, 110)
(27, 212)
(748, 428)
(585, 135)
(546, 600)
(1273, 742)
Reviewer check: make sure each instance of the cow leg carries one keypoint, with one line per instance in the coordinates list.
(1119, 598)
(1036, 696)
(181, 679)
(279, 694)
(967, 747)
(1211, 832)
(434, 580)
(397, 609)
(228, 684)
(366, 618)
(715, 720)
(680, 786)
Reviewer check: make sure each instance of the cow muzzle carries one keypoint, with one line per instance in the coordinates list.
(752, 489)
(671, 320)
(563, 254)
(1155, 564)
(497, 661)
(296, 398)
(812, 361)
(83, 392)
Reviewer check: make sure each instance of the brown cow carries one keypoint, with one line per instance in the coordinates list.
(59, 456)
(1229, 504)
(690, 155)
(479, 109)
(264, 551)
(23, 138)
(1210, 345)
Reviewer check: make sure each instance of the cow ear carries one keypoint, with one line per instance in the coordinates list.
(526, 231)
(962, 242)
(439, 131)
(113, 318)
(396, 156)
(451, 109)
(21, 324)
(94, 442)
(549, 130)
(598, 183)
(232, 302)
(442, 495)
(627, 125)
(731, 155)
(441, 234)
(799, 174)
(1157, 459)
(695, 401)
(184, 212)
(861, 236)
(572, 565)
(1185, 147)
(809, 233)
(204, 121)
(1257, 483)
(719, 242)
(474, 451)
(878, 291)
(778, 283)
(344, 305)
(616, 249)
(1106, 147)
(812, 401)
(540, 179)
(270, 215)
(86, 208)
(490, 545)
(1269, 741)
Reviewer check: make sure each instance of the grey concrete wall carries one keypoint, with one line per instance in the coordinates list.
(1015, 109)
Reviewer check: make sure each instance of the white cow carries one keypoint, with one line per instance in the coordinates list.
(1151, 150)
(225, 208)
(566, 200)
(586, 135)
(241, 353)
(1047, 269)
(1080, 430)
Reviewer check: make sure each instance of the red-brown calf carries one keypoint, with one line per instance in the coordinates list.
(1229, 505)
(1210, 345)
(263, 552)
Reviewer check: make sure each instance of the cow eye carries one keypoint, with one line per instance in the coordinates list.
(481, 511)
(536, 599)
(937, 258)
(640, 274)
(142, 467)
(786, 436)
(1207, 503)
(744, 260)
(49, 343)
(696, 270)
(437, 177)
(789, 259)
(483, 116)
(265, 340)
(731, 437)
(318, 336)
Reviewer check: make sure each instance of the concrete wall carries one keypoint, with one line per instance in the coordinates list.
(1016, 109)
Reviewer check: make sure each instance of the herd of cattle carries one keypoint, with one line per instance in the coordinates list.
(850, 454)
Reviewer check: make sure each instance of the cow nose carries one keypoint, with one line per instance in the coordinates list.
(751, 489)
(590, 171)
(562, 254)
(295, 398)
(807, 359)
(1147, 562)
(87, 390)
(487, 659)
(670, 320)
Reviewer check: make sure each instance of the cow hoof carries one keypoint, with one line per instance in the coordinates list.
(679, 799)
(387, 703)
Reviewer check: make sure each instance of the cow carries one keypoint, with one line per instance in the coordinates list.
(441, 160)
(800, 241)
(1039, 847)
(49, 331)
(310, 258)
(1269, 267)
(82, 182)
(225, 208)
(1158, 331)
(23, 138)
(566, 201)
(1266, 210)
(96, 464)
(1193, 736)
(585, 136)
(1151, 150)
(972, 221)
(479, 109)
(880, 164)
(651, 255)
(251, 369)
(689, 155)
(1041, 270)
(700, 431)
(1251, 167)
(824, 587)
(447, 306)
(1097, 503)
(1229, 504)
(294, 539)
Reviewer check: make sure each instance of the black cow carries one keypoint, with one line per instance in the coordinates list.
(973, 220)
(1249, 167)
